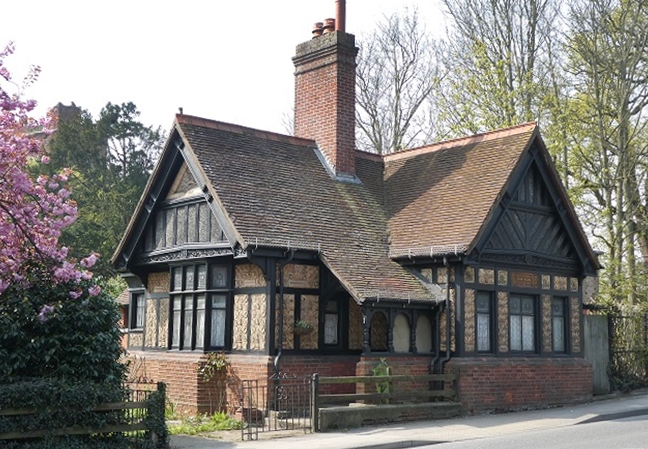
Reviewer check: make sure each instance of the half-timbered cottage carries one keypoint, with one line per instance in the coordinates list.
(464, 255)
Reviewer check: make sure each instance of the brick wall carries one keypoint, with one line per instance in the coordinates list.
(399, 366)
(186, 392)
(325, 366)
(500, 384)
(178, 371)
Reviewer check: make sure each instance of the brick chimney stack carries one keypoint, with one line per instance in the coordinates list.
(325, 92)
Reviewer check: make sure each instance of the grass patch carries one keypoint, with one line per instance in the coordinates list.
(204, 424)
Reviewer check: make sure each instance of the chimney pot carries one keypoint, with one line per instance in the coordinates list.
(325, 74)
(329, 25)
(318, 29)
(340, 15)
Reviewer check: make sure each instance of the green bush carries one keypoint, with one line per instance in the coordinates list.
(44, 333)
(60, 357)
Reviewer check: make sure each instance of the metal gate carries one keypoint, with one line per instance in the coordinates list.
(629, 350)
(280, 403)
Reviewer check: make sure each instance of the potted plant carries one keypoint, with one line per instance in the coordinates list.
(302, 327)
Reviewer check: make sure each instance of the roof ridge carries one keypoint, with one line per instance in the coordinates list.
(461, 141)
(185, 119)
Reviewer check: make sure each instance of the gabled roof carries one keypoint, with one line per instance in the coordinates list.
(273, 191)
(276, 193)
(439, 196)
(441, 199)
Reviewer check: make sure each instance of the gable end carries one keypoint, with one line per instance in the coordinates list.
(532, 225)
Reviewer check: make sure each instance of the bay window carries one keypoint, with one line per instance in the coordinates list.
(200, 307)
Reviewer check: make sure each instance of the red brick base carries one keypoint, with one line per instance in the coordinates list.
(485, 384)
(189, 395)
(500, 384)
(399, 366)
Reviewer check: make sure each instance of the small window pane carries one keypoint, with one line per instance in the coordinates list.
(177, 310)
(169, 217)
(218, 301)
(483, 303)
(515, 322)
(330, 329)
(159, 230)
(202, 277)
(181, 229)
(558, 334)
(514, 305)
(188, 322)
(527, 306)
(200, 321)
(218, 320)
(483, 332)
(218, 276)
(558, 324)
(218, 317)
(528, 335)
(177, 279)
(192, 221)
(332, 306)
(140, 304)
(484, 320)
(203, 223)
(189, 278)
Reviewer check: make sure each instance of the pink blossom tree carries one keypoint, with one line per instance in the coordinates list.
(32, 212)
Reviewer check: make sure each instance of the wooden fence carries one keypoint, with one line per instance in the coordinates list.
(134, 413)
(437, 390)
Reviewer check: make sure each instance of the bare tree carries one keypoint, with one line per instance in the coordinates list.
(610, 65)
(496, 53)
(396, 76)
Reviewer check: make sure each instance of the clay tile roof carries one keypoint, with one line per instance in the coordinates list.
(276, 192)
(123, 298)
(439, 196)
(430, 200)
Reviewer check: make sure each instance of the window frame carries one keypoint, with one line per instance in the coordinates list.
(342, 300)
(189, 296)
(565, 324)
(491, 322)
(137, 297)
(338, 314)
(521, 314)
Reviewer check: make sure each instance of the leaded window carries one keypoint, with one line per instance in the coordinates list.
(522, 319)
(332, 322)
(137, 310)
(200, 307)
(558, 325)
(182, 223)
(484, 321)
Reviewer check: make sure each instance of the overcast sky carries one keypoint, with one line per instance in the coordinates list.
(228, 60)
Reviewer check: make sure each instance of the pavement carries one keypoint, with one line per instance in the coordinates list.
(419, 433)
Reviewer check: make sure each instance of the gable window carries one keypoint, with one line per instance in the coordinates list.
(200, 307)
(137, 311)
(558, 325)
(522, 318)
(182, 222)
(484, 322)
